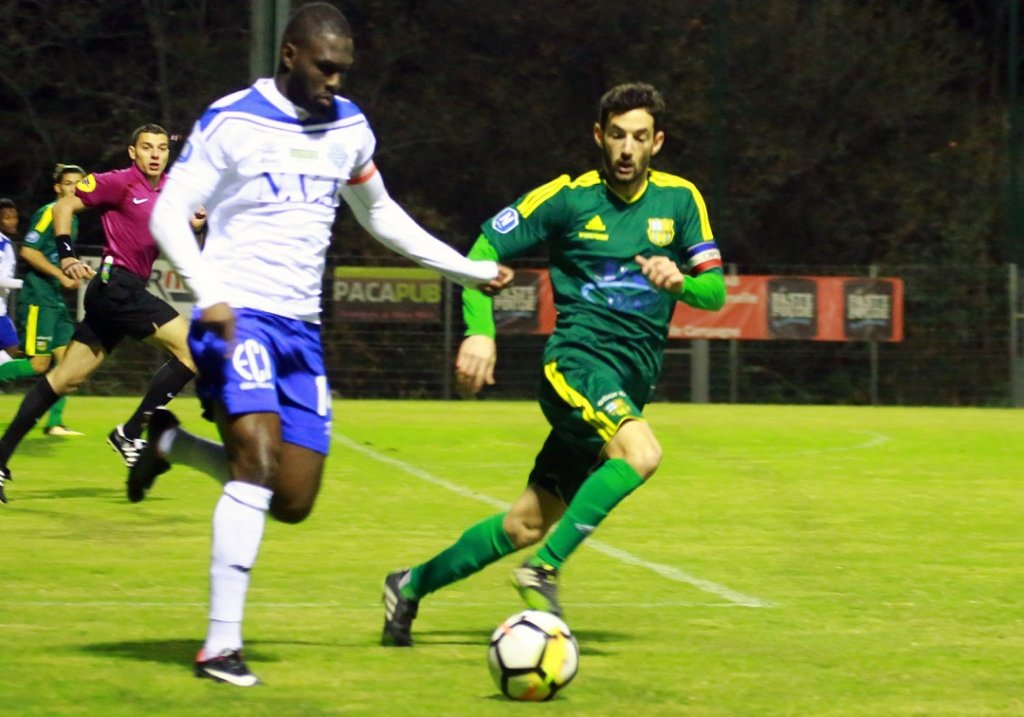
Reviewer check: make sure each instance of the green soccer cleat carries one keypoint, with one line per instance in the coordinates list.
(538, 587)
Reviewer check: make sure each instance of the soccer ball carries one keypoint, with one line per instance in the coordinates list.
(532, 656)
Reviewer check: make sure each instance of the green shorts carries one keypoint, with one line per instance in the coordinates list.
(585, 403)
(44, 328)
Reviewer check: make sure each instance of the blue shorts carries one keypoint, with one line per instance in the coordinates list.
(276, 365)
(8, 335)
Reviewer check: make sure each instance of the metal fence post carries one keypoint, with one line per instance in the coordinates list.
(448, 362)
(1013, 287)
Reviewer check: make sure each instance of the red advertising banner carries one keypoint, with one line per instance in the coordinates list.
(812, 308)
(809, 308)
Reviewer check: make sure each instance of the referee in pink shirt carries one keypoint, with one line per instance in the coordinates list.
(116, 303)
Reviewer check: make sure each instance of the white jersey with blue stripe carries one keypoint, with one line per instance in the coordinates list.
(8, 266)
(272, 181)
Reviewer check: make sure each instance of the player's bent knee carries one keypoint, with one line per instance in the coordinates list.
(291, 513)
(521, 533)
(646, 461)
(292, 506)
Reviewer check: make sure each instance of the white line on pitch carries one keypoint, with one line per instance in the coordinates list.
(666, 571)
(375, 606)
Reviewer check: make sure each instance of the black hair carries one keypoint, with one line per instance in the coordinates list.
(631, 96)
(314, 19)
(6, 203)
(148, 128)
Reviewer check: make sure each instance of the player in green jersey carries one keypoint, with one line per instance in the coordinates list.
(44, 322)
(625, 244)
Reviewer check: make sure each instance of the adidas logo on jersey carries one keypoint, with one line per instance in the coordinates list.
(594, 229)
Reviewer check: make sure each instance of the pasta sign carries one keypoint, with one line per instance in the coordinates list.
(386, 294)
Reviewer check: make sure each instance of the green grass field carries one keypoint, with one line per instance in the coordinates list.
(784, 561)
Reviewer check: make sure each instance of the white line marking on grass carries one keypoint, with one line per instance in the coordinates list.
(665, 571)
(374, 606)
(875, 440)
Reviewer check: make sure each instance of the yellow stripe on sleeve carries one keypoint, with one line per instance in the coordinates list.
(540, 195)
(664, 179)
(45, 220)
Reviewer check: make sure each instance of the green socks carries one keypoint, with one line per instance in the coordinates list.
(18, 368)
(56, 417)
(600, 492)
(479, 546)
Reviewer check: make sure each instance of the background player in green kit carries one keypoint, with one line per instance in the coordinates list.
(44, 322)
(625, 244)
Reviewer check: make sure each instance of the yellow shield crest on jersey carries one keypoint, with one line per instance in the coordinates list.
(86, 184)
(661, 232)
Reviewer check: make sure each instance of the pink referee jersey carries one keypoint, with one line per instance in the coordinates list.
(126, 199)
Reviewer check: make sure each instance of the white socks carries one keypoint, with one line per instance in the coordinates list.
(180, 446)
(238, 522)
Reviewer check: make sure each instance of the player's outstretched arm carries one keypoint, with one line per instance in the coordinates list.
(389, 224)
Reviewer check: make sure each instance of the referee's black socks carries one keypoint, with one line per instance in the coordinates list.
(165, 384)
(36, 402)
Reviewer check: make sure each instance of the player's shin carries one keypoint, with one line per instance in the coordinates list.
(476, 548)
(36, 402)
(238, 522)
(600, 492)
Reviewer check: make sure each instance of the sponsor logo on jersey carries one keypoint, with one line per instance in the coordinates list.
(338, 156)
(505, 221)
(86, 184)
(140, 200)
(595, 230)
(661, 232)
(251, 361)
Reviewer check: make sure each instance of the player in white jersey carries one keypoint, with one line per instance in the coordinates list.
(8, 266)
(271, 164)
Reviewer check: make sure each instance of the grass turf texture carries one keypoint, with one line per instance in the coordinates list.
(884, 543)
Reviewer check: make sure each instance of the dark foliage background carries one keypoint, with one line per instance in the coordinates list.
(823, 133)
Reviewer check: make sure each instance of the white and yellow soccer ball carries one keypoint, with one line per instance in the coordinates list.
(532, 656)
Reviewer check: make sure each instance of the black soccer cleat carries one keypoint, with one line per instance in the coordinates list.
(399, 612)
(129, 448)
(149, 463)
(228, 667)
(538, 587)
(5, 475)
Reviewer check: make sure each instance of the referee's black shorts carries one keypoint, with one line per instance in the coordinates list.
(120, 307)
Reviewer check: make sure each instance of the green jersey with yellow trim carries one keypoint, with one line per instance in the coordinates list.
(42, 289)
(606, 307)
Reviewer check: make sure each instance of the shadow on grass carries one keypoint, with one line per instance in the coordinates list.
(452, 637)
(182, 652)
(82, 492)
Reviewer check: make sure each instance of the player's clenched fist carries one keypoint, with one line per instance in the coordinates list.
(662, 272)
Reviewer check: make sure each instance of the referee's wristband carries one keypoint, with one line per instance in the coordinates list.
(64, 248)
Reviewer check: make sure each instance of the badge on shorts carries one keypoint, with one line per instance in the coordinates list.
(661, 232)
(506, 220)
